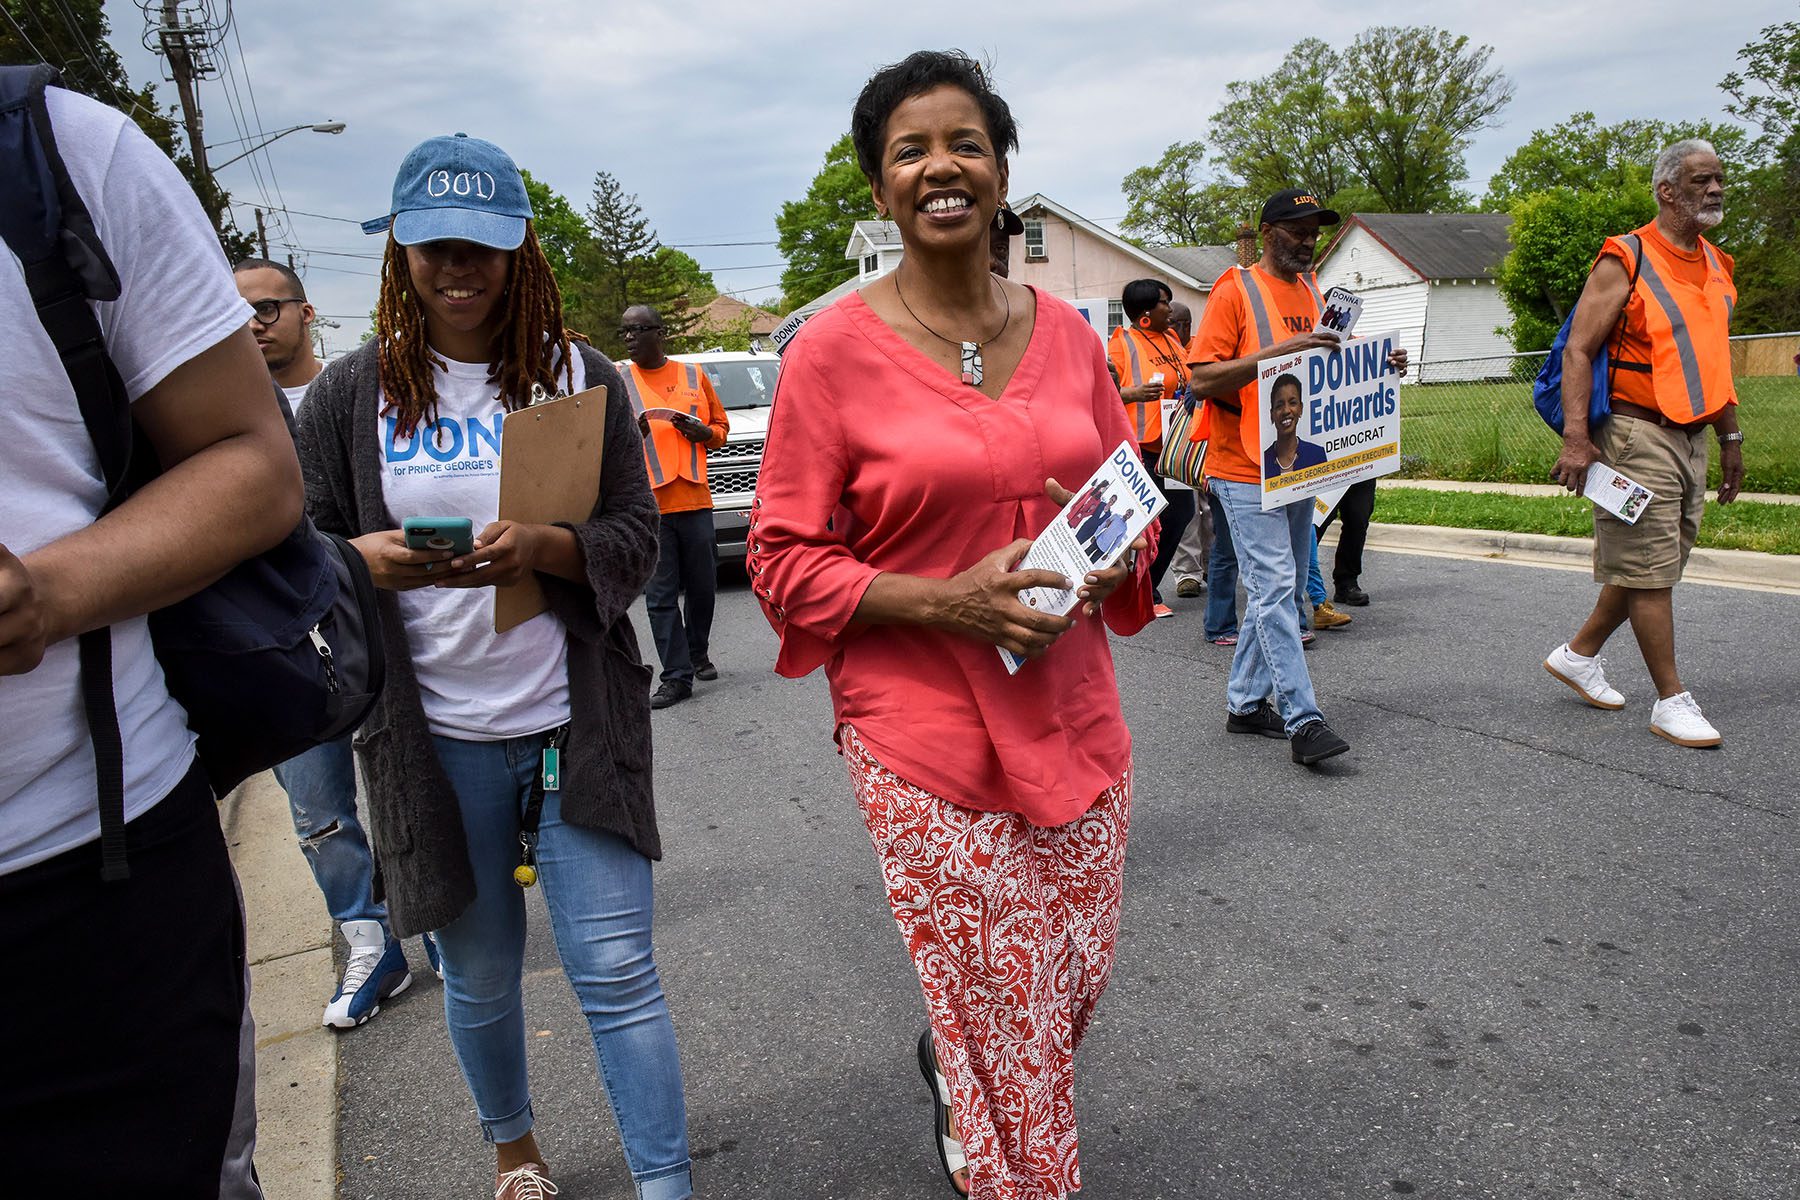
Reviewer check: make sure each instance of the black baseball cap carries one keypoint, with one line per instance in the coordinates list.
(1011, 223)
(1290, 204)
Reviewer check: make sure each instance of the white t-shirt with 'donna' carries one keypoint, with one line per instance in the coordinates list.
(476, 685)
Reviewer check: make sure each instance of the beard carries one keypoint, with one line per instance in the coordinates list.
(1295, 259)
(1703, 217)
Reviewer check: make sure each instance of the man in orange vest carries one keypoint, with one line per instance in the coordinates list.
(1152, 368)
(1666, 326)
(1253, 313)
(681, 419)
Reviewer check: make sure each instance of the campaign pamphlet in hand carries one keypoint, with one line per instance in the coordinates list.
(664, 414)
(1620, 495)
(1328, 418)
(1091, 533)
(1341, 308)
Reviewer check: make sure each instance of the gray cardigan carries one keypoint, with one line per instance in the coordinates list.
(420, 849)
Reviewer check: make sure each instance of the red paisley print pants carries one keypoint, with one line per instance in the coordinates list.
(1011, 927)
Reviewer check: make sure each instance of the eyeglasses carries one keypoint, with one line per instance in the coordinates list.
(629, 330)
(269, 311)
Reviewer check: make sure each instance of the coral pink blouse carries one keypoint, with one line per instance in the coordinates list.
(878, 460)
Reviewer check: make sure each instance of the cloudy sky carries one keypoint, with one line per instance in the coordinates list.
(716, 112)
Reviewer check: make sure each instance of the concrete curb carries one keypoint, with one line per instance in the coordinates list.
(291, 976)
(1723, 568)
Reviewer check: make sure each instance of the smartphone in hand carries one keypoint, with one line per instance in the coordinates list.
(455, 534)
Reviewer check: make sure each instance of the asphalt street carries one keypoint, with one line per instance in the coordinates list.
(1509, 946)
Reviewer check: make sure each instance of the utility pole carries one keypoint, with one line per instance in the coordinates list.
(175, 44)
(262, 235)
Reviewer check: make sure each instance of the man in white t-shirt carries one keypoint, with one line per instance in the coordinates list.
(134, 1071)
(321, 783)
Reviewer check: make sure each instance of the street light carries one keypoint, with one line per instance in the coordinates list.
(323, 127)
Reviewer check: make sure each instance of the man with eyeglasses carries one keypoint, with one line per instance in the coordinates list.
(681, 419)
(282, 323)
(321, 783)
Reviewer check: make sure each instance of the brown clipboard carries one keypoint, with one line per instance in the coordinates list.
(549, 472)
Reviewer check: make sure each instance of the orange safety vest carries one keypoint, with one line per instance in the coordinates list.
(1136, 365)
(1261, 306)
(1689, 330)
(668, 455)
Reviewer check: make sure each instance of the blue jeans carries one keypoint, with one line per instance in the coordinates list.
(1221, 574)
(1315, 582)
(686, 570)
(598, 891)
(1270, 663)
(321, 791)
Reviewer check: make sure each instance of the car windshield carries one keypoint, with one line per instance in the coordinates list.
(743, 384)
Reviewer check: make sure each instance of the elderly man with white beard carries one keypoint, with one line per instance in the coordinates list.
(1659, 300)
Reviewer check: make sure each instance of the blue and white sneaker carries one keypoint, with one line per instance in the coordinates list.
(431, 954)
(377, 970)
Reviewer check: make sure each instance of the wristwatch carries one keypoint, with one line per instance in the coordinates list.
(1737, 436)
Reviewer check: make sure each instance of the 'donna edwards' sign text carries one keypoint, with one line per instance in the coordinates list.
(1329, 418)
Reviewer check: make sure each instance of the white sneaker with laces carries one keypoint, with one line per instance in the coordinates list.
(1586, 675)
(1679, 719)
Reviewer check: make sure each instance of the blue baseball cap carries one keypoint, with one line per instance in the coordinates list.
(457, 188)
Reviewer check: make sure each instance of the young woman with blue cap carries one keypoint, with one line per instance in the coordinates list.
(479, 732)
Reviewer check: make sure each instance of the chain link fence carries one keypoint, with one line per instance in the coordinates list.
(1472, 418)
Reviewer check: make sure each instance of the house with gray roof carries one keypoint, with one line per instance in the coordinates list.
(1430, 278)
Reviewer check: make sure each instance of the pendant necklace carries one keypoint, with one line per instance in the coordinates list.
(971, 351)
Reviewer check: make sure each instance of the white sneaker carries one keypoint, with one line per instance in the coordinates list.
(1679, 719)
(1585, 675)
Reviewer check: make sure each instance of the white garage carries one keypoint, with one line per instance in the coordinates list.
(1429, 277)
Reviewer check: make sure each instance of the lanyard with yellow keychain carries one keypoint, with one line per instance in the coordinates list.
(549, 779)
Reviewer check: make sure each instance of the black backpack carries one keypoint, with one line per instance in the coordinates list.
(283, 653)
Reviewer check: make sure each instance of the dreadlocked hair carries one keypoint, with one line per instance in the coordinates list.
(526, 349)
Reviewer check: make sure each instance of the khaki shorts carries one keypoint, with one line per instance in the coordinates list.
(1672, 464)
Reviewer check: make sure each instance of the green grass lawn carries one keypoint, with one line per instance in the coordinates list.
(1772, 528)
(1489, 431)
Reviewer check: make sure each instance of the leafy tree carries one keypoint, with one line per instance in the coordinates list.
(812, 232)
(1382, 126)
(1584, 155)
(1763, 207)
(1413, 99)
(1283, 130)
(1556, 235)
(621, 264)
(1766, 93)
(71, 35)
(1174, 203)
(561, 230)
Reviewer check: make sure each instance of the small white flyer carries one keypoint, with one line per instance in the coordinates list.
(1338, 315)
(1091, 533)
(1620, 495)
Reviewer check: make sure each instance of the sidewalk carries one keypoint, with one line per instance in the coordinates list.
(291, 976)
(1726, 568)
(1553, 489)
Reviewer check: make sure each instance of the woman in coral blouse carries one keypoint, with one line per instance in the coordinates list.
(921, 429)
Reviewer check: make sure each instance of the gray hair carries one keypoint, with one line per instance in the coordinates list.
(1668, 163)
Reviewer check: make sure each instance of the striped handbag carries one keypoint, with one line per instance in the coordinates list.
(1181, 457)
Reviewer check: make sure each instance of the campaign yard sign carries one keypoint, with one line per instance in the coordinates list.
(1329, 418)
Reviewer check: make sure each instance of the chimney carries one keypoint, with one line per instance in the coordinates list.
(1246, 244)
